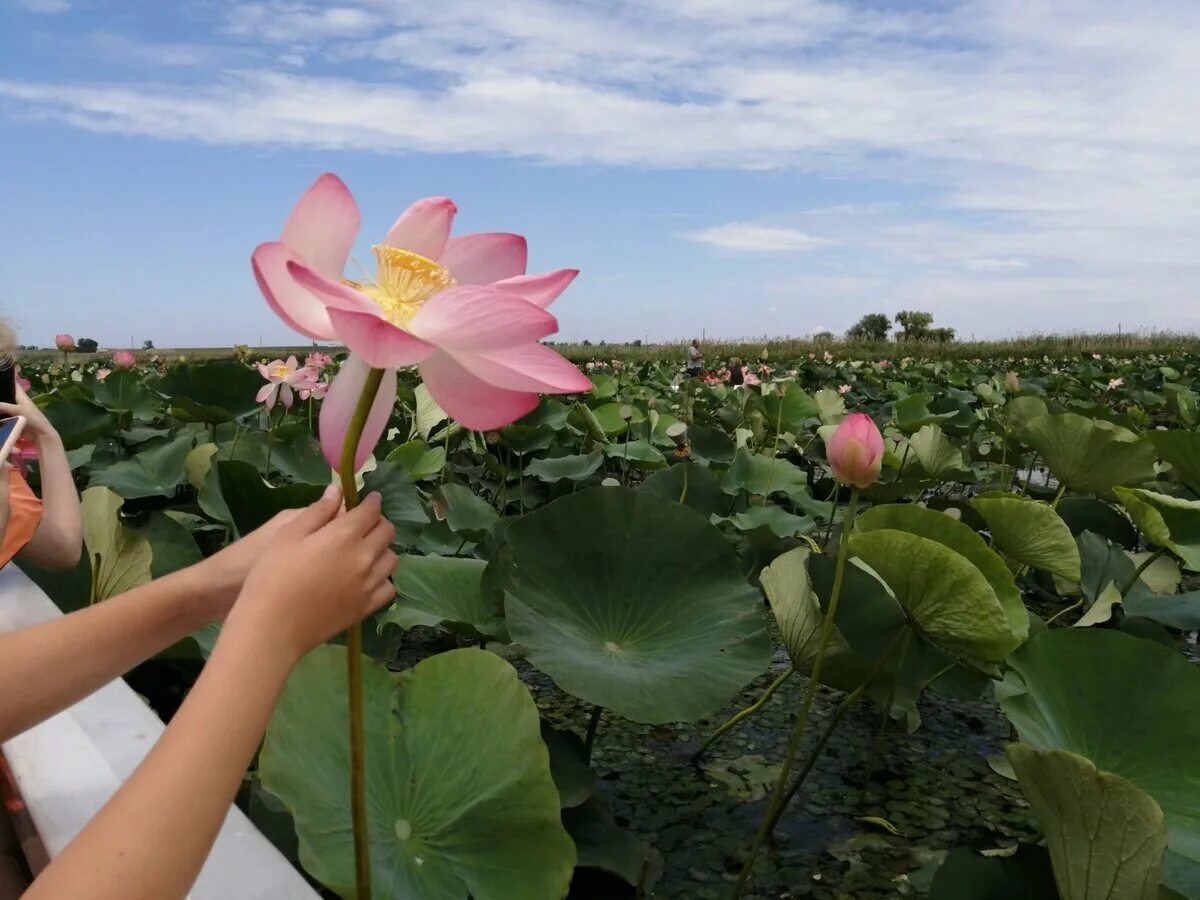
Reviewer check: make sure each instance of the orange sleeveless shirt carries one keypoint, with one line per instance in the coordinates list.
(24, 514)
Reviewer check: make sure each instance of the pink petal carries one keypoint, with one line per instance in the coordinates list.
(263, 371)
(292, 363)
(424, 227)
(264, 394)
(338, 409)
(473, 403)
(530, 367)
(285, 393)
(377, 341)
(474, 317)
(323, 225)
(540, 290)
(484, 258)
(298, 308)
(329, 291)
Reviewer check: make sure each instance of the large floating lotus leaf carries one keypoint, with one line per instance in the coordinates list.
(796, 608)
(934, 451)
(937, 526)
(120, 558)
(442, 590)
(1127, 704)
(1182, 450)
(966, 875)
(703, 488)
(1090, 454)
(634, 603)
(570, 468)
(461, 802)
(156, 472)
(760, 474)
(1031, 533)
(465, 512)
(214, 392)
(947, 599)
(1167, 521)
(1106, 836)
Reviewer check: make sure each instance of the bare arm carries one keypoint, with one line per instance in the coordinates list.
(57, 543)
(151, 838)
(59, 662)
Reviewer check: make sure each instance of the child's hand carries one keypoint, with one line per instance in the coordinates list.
(327, 573)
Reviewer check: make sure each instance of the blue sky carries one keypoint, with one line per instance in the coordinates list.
(736, 168)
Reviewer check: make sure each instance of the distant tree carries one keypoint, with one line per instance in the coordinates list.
(915, 325)
(147, 344)
(86, 345)
(638, 342)
(823, 336)
(941, 335)
(871, 327)
(586, 342)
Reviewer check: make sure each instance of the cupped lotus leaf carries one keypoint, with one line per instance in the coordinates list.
(634, 603)
(1127, 704)
(568, 468)
(126, 392)
(213, 392)
(446, 821)
(1106, 835)
(401, 502)
(524, 439)
(912, 413)
(1090, 454)
(585, 420)
(831, 406)
(797, 610)
(1031, 533)
(249, 499)
(120, 558)
(613, 419)
(787, 407)
(1182, 450)
(1166, 521)
(947, 599)
(156, 472)
(640, 454)
(761, 474)
(427, 415)
(934, 451)
(78, 421)
(937, 526)
(690, 484)
(709, 444)
(197, 463)
(445, 590)
(662, 427)
(465, 512)
(301, 460)
(419, 459)
(1020, 411)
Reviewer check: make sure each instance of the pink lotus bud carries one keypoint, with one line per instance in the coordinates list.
(1012, 383)
(123, 359)
(855, 451)
(64, 342)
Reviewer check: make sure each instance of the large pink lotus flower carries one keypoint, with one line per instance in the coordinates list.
(855, 451)
(124, 360)
(461, 308)
(281, 377)
(64, 342)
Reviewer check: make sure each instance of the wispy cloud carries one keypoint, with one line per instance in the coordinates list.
(45, 7)
(747, 237)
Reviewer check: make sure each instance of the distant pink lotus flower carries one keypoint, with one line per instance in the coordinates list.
(317, 360)
(844, 389)
(281, 377)
(124, 360)
(64, 342)
(855, 451)
(101, 374)
(751, 379)
(311, 386)
(462, 309)
(1115, 383)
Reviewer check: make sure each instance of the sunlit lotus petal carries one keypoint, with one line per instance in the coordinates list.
(338, 408)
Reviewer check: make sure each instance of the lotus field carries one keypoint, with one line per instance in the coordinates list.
(858, 628)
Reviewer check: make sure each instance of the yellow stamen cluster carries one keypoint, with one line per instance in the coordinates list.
(404, 282)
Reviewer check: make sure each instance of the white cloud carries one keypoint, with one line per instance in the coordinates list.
(993, 264)
(46, 7)
(747, 237)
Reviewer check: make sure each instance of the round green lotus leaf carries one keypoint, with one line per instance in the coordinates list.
(1106, 836)
(461, 802)
(1167, 521)
(445, 590)
(937, 526)
(1031, 533)
(634, 603)
(934, 452)
(691, 484)
(946, 597)
(1090, 455)
(1127, 704)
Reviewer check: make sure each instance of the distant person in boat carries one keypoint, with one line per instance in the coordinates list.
(737, 373)
(695, 360)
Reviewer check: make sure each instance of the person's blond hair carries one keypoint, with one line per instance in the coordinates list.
(8, 340)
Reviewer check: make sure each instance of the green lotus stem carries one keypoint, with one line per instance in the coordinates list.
(1062, 612)
(1062, 489)
(683, 492)
(837, 489)
(354, 654)
(590, 738)
(1029, 475)
(521, 481)
(774, 454)
(1145, 564)
(271, 423)
(747, 712)
(810, 692)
